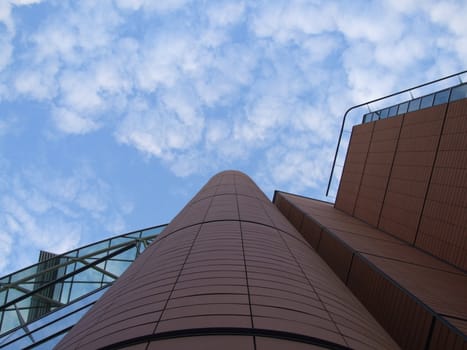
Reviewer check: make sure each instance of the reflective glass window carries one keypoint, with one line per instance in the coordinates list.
(93, 248)
(459, 92)
(2, 297)
(89, 275)
(10, 320)
(367, 117)
(79, 289)
(414, 105)
(57, 291)
(120, 240)
(129, 254)
(393, 111)
(70, 268)
(153, 231)
(427, 101)
(384, 113)
(66, 290)
(117, 267)
(441, 97)
(403, 107)
(13, 294)
(24, 273)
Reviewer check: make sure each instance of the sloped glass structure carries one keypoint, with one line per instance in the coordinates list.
(39, 304)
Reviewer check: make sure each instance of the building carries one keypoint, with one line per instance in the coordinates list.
(383, 267)
(397, 233)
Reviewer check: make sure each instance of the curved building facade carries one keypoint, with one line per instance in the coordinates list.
(228, 272)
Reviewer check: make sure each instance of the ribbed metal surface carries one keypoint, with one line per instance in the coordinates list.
(229, 269)
(407, 175)
(407, 290)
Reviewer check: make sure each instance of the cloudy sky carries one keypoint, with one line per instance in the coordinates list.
(114, 113)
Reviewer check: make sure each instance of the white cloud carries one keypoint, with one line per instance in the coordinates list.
(7, 32)
(24, 2)
(38, 85)
(216, 132)
(162, 130)
(6, 244)
(71, 122)
(223, 13)
(165, 60)
(149, 5)
(5, 16)
(6, 51)
(203, 85)
(290, 20)
(79, 91)
(296, 171)
(43, 210)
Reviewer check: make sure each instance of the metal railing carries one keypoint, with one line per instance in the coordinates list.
(46, 290)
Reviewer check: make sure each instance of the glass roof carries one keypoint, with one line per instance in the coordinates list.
(39, 304)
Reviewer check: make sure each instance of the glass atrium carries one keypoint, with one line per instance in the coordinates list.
(39, 304)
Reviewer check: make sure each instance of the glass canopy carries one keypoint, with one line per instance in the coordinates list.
(39, 304)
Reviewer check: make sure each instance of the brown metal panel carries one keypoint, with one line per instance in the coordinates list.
(230, 262)
(390, 305)
(445, 337)
(441, 291)
(263, 343)
(337, 255)
(413, 163)
(353, 169)
(295, 217)
(311, 231)
(377, 170)
(443, 224)
(458, 323)
(213, 342)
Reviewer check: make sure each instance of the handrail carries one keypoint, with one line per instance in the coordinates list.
(376, 100)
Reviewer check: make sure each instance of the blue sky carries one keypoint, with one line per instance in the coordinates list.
(114, 113)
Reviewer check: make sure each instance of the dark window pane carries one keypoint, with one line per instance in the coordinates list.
(427, 101)
(375, 116)
(414, 105)
(393, 111)
(367, 117)
(441, 97)
(403, 108)
(384, 113)
(459, 92)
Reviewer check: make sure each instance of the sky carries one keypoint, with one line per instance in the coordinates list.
(113, 114)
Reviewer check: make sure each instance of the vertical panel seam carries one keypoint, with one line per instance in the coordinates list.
(313, 288)
(390, 171)
(349, 269)
(183, 265)
(244, 259)
(309, 282)
(430, 333)
(431, 173)
(363, 170)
